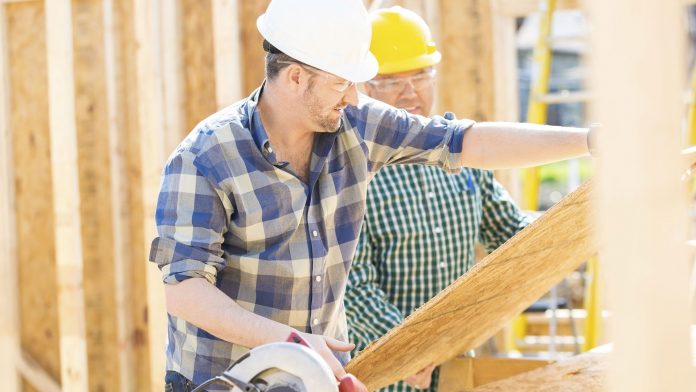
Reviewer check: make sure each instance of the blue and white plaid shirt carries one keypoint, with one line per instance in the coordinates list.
(230, 212)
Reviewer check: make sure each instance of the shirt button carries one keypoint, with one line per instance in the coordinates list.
(442, 264)
(431, 195)
(270, 150)
(315, 321)
(315, 233)
(318, 278)
(438, 230)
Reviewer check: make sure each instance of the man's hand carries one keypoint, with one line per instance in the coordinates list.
(421, 379)
(324, 345)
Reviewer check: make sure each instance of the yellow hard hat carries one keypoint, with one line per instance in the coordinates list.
(401, 41)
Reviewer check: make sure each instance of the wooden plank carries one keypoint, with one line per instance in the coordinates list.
(584, 373)
(479, 303)
(122, 286)
(152, 139)
(644, 211)
(253, 66)
(9, 293)
(199, 63)
(38, 377)
(173, 74)
(134, 284)
(95, 194)
(228, 55)
(460, 373)
(26, 40)
(66, 202)
(521, 8)
(465, 83)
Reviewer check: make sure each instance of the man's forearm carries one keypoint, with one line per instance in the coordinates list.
(204, 305)
(499, 145)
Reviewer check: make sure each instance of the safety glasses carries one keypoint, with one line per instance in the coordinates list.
(419, 81)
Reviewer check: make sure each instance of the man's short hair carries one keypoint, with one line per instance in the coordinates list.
(275, 60)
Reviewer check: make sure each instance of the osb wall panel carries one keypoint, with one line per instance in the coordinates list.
(95, 194)
(198, 61)
(31, 148)
(253, 54)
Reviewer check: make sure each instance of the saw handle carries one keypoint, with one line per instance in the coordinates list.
(296, 338)
(349, 383)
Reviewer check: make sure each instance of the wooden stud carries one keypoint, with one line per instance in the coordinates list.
(465, 84)
(26, 41)
(134, 296)
(71, 306)
(32, 371)
(152, 156)
(228, 55)
(643, 210)
(493, 292)
(9, 293)
(95, 193)
(173, 48)
(459, 373)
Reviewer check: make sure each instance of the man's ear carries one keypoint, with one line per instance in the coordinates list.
(293, 77)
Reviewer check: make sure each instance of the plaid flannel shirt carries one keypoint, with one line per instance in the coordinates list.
(421, 225)
(230, 212)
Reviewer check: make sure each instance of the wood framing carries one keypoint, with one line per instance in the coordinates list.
(9, 293)
(520, 8)
(26, 42)
(253, 59)
(584, 373)
(152, 157)
(644, 214)
(32, 371)
(479, 303)
(66, 199)
(465, 83)
(228, 55)
(133, 300)
(198, 62)
(459, 374)
(95, 193)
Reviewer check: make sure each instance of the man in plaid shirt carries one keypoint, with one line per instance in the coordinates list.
(261, 205)
(421, 223)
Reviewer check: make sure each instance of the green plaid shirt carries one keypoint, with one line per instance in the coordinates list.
(420, 228)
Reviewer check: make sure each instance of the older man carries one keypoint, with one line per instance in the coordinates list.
(421, 223)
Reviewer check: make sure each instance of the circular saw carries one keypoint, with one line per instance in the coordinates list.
(290, 366)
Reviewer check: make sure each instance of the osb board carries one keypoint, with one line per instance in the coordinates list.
(198, 61)
(127, 122)
(34, 205)
(584, 373)
(253, 58)
(466, 71)
(95, 194)
(460, 373)
(479, 303)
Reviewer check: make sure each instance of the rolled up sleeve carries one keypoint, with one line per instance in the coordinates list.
(192, 216)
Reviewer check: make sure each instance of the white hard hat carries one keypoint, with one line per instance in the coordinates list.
(332, 35)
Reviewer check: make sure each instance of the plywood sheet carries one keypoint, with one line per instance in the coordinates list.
(479, 303)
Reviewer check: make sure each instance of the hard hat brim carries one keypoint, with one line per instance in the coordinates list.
(410, 64)
(357, 73)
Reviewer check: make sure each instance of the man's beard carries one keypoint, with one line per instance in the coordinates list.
(325, 122)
